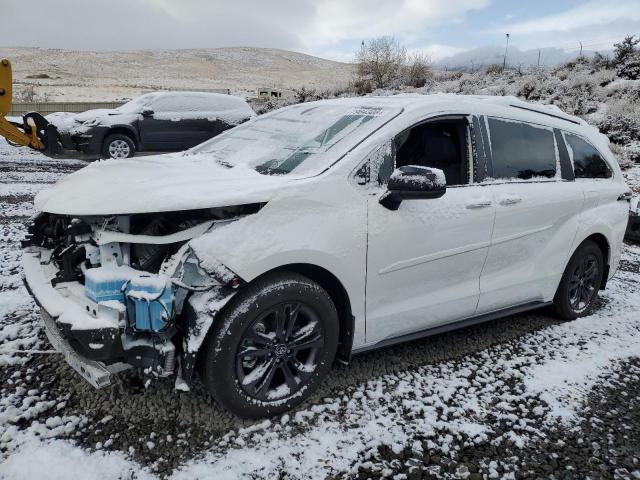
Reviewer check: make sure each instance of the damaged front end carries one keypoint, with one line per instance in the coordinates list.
(115, 292)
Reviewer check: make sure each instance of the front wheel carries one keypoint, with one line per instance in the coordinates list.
(118, 145)
(578, 289)
(270, 349)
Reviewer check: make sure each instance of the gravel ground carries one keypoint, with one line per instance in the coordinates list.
(466, 404)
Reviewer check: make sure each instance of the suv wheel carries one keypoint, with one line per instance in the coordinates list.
(580, 282)
(270, 349)
(118, 145)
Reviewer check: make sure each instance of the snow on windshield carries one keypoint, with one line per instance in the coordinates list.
(297, 138)
(137, 104)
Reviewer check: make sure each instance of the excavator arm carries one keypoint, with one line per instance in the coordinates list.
(35, 131)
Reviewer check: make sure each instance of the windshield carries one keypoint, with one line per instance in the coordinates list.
(300, 138)
(137, 104)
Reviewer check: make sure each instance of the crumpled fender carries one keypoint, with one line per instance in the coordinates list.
(200, 312)
(200, 295)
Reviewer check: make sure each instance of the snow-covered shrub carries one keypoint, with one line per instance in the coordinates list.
(361, 86)
(601, 62)
(622, 89)
(493, 69)
(630, 67)
(620, 129)
(305, 94)
(625, 49)
(622, 122)
(529, 89)
(604, 77)
(627, 155)
(261, 106)
(576, 95)
(417, 71)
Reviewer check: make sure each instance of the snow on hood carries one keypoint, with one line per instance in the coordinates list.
(158, 183)
(67, 122)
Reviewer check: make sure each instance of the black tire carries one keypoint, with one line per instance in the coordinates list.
(278, 372)
(118, 145)
(578, 289)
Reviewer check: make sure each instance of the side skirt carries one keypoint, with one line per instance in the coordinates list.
(467, 322)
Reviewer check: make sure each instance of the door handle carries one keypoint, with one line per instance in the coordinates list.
(510, 200)
(479, 204)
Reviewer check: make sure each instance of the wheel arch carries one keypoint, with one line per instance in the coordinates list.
(127, 130)
(338, 293)
(605, 247)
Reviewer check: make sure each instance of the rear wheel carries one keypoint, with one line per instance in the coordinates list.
(578, 289)
(272, 347)
(118, 145)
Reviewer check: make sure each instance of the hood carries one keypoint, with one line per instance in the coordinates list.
(96, 113)
(67, 122)
(82, 116)
(160, 183)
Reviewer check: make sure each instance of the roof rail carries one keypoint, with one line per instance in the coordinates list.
(566, 119)
(549, 110)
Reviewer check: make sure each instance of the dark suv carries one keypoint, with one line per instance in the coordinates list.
(159, 121)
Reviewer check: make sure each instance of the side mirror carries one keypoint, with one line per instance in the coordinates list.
(413, 182)
(147, 112)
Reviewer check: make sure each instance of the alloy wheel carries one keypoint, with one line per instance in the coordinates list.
(119, 149)
(582, 286)
(279, 351)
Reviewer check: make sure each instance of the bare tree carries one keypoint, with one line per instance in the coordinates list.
(381, 61)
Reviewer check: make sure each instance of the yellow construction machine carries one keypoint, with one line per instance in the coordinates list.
(35, 131)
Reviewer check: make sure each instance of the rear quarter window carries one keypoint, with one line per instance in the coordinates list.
(521, 150)
(586, 159)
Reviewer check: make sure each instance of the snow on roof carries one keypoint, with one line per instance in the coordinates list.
(420, 106)
(473, 103)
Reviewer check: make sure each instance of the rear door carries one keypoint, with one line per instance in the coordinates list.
(179, 121)
(538, 206)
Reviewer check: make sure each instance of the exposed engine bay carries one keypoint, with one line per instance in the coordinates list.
(130, 277)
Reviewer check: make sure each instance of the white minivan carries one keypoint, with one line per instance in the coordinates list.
(319, 231)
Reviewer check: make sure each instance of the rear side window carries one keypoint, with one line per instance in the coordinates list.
(180, 103)
(521, 150)
(587, 161)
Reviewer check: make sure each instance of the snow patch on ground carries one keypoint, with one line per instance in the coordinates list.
(62, 460)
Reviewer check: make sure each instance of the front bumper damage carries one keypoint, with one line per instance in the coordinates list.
(100, 338)
(88, 142)
(96, 373)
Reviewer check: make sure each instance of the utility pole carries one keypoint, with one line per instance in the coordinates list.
(538, 57)
(504, 61)
(580, 48)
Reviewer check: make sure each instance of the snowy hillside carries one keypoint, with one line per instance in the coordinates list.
(108, 76)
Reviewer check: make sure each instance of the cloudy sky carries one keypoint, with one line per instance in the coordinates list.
(327, 28)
